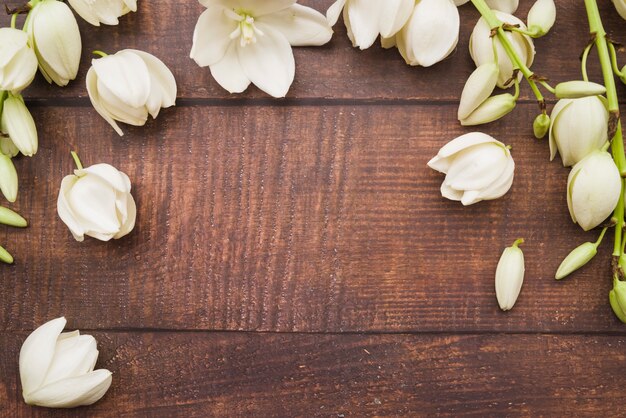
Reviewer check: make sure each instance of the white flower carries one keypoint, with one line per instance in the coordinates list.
(578, 127)
(127, 86)
(96, 201)
(8, 178)
(481, 47)
(57, 368)
(541, 17)
(18, 63)
(244, 41)
(510, 276)
(491, 109)
(18, 123)
(593, 189)
(506, 6)
(620, 6)
(430, 34)
(103, 11)
(53, 33)
(478, 88)
(366, 19)
(477, 167)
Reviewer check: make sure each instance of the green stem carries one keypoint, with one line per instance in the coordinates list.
(77, 160)
(100, 53)
(13, 20)
(616, 69)
(518, 242)
(583, 64)
(599, 241)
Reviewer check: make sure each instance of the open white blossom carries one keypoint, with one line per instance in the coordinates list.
(477, 167)
(366, 19)
(103, 11)
(57, 368)
(18, 62)
(248, 41)
(53, 33)
(96, 202)
(128, 86)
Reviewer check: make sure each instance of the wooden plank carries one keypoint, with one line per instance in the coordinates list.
(271, 375)
(336, 70)
(296, 219)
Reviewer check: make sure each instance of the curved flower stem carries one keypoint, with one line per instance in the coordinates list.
(615, 127)
(583, 61)
(100, 53)
(13, 20)
(616, 69)
(79, 165)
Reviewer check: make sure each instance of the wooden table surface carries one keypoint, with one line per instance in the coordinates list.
(295, 258)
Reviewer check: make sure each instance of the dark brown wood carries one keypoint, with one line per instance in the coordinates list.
(273, 375)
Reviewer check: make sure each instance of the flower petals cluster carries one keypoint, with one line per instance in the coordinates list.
(18, 62)
(477, 167)
(247, 41)
(57, 368)
(103, 11)
(129, 85)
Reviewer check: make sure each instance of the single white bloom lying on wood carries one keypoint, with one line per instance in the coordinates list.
(57, 368)
(103, 11)
(510, 275)
(248, 41)
(129, 85)
(477, 167)
(18, 62)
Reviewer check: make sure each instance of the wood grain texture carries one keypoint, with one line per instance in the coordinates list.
(297, 219)
(292, 375)
(333, 71)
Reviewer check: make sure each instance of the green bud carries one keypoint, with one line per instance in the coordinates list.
(541, 125)
(8, 178)
(5, 257)
(11, 218)
(578, 89)
(617, 299)
(579, 256)
(491, 109)
(541, 17)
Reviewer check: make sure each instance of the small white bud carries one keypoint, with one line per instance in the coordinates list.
(510, 275)
(579, 256)
(541, 17)
(491, 109)
(478, 88)
(18, 123)
(577, 89)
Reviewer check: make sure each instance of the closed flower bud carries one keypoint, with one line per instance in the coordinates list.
(53, 32)
(578, 89)
(579, 256)
(541, 17)
(578, 127)
(510, 276)
(617, 299)
(57, 368)
(541, 125)
(18, 63)
(5, 256)
(127, 86)
(18, 123)
(478, 88)
(7, 147)
(8, 178)
(620, 6)
(11, 218)
(481, 47)
(593, 189)
(477, 167)
(103, 11)
(96, 201)
(491, 109)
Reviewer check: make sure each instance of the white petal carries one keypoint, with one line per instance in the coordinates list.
(65, 211)
(364, 18)
(459, 2)
(69, 358)
(393, 16)
(37, 353)
(211, 36)
(269, 63)
(119, 110)
(258, 8)
(477, 167)
(506, 6)
(558, 107)
(162, 83)
(228, 72)
(131, 215)
(20, 72)
(131, 5)
(334, 11)
(96, 100)
(125, 75)
(478, 88)
(620, 6)
(85, 11)
(108, 174)
(19, 124)
(12, 42)
(73, 391)
(93, 203)
(465, 141)
(301, 25)
(450, 193)
(502, 184)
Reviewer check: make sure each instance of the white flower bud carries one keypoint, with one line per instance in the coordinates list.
(491, 109)
(18, 123)
(127, 86)
(541, 17)
(103, 11)
(478, 88)
(579, 256)
(620, 6)
(541, 125)
(18, 63)
(12, 218)
(96, 202)
(477, 167)
(57, 369)
(8, 178)
(53, 32)
(593, 189)
(577, 89)
(578, 127)
(7, 147)
(510, 276)
(481, 47)
(431, 33)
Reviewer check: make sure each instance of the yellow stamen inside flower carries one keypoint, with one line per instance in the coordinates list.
(246, 30)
